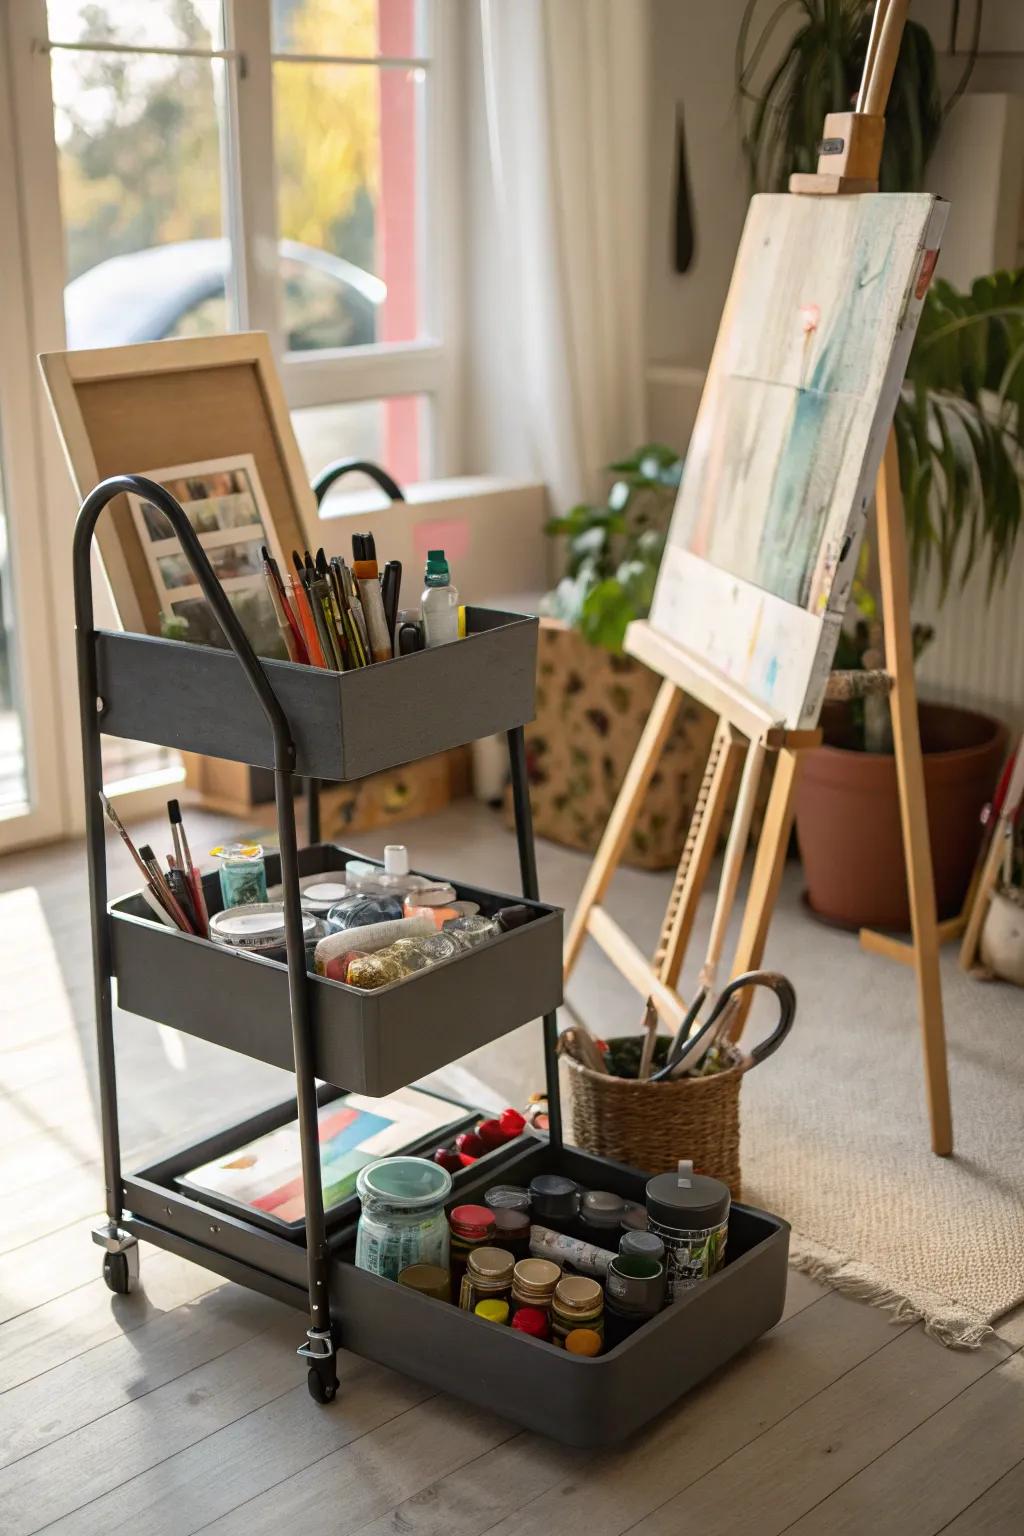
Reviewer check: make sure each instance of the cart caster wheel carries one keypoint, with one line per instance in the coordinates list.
(322, 1382)
(117, 1273)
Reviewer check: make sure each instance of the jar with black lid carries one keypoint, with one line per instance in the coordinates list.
(690, 1213)
(555, 1203)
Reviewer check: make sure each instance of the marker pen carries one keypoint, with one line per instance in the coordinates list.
(364, 566)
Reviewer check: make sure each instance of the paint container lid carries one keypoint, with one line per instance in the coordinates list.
(238, 853)
(473, 1222)
(532, 1320)
(429, 1279)
(492, 1311)
(583, 1341)
(642, 1245)
(601, 1210)
(634, 1218)
(687, 1200)
(511, 1226)
(404, 1183)
(259, 925)
(507, 1197)
(554, 1198)
(321, 895)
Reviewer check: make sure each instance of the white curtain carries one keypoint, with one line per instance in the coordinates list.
(565, 85)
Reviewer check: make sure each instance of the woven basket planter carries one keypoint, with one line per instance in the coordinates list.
(652, 1125)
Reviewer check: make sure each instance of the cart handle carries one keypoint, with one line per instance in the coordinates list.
(332, 472)
(138, 485)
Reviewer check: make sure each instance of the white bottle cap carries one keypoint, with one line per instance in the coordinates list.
(396, 859)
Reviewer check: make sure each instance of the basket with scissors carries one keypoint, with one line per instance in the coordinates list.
(649, 1100)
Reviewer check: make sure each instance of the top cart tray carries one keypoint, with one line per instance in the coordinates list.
(345, 724)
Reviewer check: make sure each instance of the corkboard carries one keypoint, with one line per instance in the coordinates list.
(127, 410)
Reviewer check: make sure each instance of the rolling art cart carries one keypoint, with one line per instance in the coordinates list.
(321, 725)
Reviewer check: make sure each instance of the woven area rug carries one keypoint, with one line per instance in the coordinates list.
(835, 1136)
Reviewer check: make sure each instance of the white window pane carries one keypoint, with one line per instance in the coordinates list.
(139, 140)
(137, 23)
(349, 182)
(393, 433)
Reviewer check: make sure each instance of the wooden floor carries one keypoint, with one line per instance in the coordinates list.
(183, 1408)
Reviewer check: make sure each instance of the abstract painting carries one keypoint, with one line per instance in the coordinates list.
(811, 351)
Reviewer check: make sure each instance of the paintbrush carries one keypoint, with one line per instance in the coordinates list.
(286, 622)
(310, 627)
(192, 874)
(348, 617)
(647, 1054)
(163, 890)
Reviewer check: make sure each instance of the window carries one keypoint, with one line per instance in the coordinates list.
(276, 165)
(163, 114)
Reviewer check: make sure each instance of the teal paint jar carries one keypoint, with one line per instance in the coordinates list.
(402, 1221)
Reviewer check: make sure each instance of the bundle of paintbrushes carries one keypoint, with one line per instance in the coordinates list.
(334, 615)
(175, 895)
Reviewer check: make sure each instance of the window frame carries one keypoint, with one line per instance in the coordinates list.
(431, 366)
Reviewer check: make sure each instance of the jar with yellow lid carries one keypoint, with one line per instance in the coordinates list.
(577, 1303)
(533, 1284)
(492, 1311)
(487, 1277)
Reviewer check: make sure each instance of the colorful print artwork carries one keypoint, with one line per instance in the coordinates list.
(811, 351)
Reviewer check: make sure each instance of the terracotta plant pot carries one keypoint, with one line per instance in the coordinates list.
(848, 819)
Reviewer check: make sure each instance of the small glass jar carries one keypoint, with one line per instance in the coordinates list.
(243, 873)
(507, 1197)
(372, 971)
(601, 1215)
(402, 1221)
(472, 930)
(470, 1226)
(433, 901)
(487, 1277)
(577, 1303)
(362, 909)
(512, 1231)
(533, 1284)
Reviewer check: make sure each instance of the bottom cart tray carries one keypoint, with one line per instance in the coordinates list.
(579, 1401)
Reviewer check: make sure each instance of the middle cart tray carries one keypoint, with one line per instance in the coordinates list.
(370, 1042)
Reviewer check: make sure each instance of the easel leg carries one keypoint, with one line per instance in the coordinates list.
(892, 553)
(627, 806)
(699, 850)
(766, 877)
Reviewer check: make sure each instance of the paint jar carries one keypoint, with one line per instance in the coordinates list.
(433, 901)
(360, 910)
(511, 917)
(492, 1311)
(259, 929)
(533, 1284)
(635, 1217)
(372, 971)
(572, 1251)
(636, 1284)
(507, 1197)
(555, 1202)
(690, 1213)
(533, 1321)
(585, 1342)
(618, 1323)
(577, 1303)
(471, 1227)
(600, 1218)
(429, 1279)
(243, 873)
(402, 1220)
(487, 1277)
(512, 1231)
(642, 1245)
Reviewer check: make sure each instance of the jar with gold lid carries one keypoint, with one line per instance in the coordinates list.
(488, 1277)
(577, 1303)
(533, 1284)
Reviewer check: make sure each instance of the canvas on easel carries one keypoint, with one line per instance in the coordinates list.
(780, 470)
(793, 429)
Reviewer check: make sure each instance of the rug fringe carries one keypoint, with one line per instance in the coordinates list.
(957, 1327)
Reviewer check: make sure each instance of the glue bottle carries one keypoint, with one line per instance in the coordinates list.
(440, 602)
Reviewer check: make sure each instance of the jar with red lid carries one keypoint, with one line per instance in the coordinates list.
(533, 1321)
(470, 1226)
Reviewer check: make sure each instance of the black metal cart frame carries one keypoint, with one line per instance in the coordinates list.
(120, 1263)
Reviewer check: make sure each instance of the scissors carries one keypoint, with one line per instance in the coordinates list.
(688, 1049)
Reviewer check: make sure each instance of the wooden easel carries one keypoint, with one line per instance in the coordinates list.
(849, 159)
